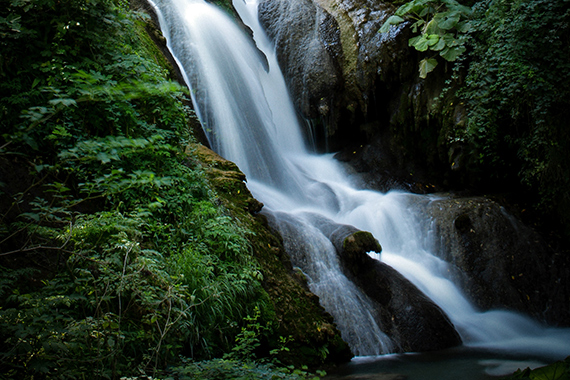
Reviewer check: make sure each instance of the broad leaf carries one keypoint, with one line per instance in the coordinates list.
(414, 40)
(423, 42)
(465, 10)
(433, 39)
(418, 24)
(392, 20)
(463, 26)
(455, 6)
(450, 40)
(432, 27)
(555, 371)
(449, 20)
(439, 46)
(413, 6)
(426, 66)
(451, 53)
(450, 3)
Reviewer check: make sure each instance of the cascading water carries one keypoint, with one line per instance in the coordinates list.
(243, 104)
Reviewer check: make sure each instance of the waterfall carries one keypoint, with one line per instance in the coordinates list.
(244, 107)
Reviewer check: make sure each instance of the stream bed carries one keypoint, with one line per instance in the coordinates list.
(459, 363)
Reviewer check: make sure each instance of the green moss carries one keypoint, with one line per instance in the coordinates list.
(153, 44)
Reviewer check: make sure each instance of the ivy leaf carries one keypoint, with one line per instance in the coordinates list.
(449, 20)
(426, 66)
(451, 53)
(392, 20)
(423, 42)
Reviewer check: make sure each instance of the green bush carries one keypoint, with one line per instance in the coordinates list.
(116, 258)
(442, 27)
(222, 369)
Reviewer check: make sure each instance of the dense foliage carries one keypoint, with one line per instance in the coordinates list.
(115, 256)
(517, 93)
(512, 83)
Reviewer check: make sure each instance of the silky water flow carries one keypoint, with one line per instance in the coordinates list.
(244, 107)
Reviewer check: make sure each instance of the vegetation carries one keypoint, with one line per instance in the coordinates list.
(511, 81)
(517, 95)
(117, 256)
(120, 256)
(554, 371)
(442, 26)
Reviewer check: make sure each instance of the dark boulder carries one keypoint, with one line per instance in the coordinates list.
(409, 318)
(498, 261)
(362, 91)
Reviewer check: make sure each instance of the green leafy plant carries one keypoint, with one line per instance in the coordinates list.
(222, 369)
(516, 94)
(115, 256)
(113, 307)
(442, 26)
(555, 371)
(248, 340)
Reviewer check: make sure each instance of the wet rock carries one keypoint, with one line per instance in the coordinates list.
(408, 317)
(362, 87)
(296, 310)
(226, 176)
(499, 262)
(413, 321)
(308, 49)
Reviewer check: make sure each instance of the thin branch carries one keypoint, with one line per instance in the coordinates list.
(22, 250)
(16, 201)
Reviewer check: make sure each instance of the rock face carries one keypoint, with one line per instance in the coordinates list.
(307, 40)
(361, 89)
(295, 310)
(390, 127)
(499, 262)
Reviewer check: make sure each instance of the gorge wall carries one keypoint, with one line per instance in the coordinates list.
(361, 90)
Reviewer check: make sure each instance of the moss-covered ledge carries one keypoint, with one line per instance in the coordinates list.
(294, 311)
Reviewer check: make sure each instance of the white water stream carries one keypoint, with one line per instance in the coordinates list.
(244, 107)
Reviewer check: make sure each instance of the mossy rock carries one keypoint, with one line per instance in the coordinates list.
(295, 311)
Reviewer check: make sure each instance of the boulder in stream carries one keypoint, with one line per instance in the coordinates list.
(406, 316)
(411, 319)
